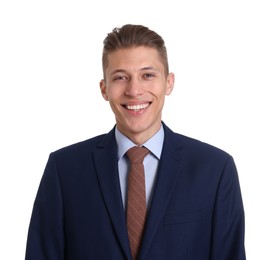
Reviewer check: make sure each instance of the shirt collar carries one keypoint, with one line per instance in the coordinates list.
(153, 144)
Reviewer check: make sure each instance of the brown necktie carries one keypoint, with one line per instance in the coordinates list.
(136, 202)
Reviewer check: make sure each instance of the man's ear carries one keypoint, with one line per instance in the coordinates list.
(170, 83)
(103, 89)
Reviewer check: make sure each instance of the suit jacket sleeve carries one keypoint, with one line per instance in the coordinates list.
(228, 220)
(46, 236)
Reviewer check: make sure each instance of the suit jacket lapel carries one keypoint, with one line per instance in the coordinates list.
(105, 159)
(170, 162)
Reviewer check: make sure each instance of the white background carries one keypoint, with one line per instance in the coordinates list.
(50, 67)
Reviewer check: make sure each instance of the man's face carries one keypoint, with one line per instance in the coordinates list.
(135, 84)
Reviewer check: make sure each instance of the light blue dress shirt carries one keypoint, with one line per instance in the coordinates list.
(151, 162)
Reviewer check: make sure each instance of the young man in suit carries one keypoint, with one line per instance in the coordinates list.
(194, 208)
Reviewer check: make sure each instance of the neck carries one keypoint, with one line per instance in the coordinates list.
(139, 138)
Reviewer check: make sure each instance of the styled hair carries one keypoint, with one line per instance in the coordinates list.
(129, 36)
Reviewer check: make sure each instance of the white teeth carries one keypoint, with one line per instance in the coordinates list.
(137, 107)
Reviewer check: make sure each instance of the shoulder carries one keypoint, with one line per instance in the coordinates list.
(80, 149)
(196, 149)
(196, 146)
(202, 157)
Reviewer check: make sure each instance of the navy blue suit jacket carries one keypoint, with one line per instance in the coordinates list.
(196, 211)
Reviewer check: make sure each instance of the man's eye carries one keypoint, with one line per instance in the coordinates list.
(119, 78)
(149, 75)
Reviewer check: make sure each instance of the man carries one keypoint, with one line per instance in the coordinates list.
(193, 206)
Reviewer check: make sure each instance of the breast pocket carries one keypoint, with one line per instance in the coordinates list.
(183, 217)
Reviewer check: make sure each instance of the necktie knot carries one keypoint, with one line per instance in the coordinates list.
(137, 154)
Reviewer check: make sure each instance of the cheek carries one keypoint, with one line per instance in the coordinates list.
(114, 99)
(160, 92)
(115, 94)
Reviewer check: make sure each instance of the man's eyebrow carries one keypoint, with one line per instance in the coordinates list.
(124, 71)
(117, 71)
(148, 68)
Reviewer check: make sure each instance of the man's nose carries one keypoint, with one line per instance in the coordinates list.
(134, 88)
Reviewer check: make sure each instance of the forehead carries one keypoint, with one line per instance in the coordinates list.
(135, 57)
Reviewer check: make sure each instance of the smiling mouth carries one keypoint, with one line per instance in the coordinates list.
(137, 108)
